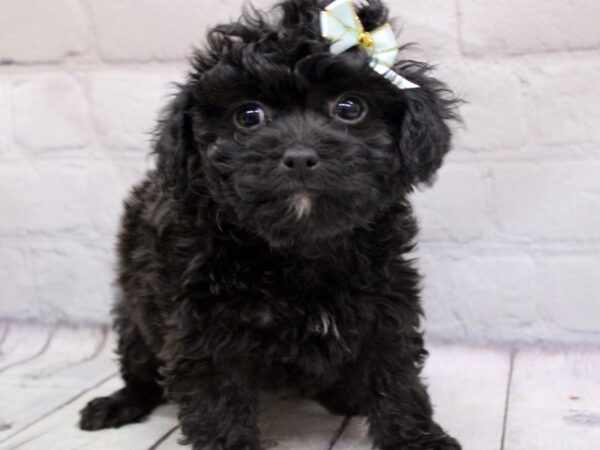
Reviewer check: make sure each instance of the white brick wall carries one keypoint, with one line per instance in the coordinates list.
(35, 31)
(517, 27)
(511, 232)
(161, 30)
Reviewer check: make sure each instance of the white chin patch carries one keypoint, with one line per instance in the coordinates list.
(301, 204)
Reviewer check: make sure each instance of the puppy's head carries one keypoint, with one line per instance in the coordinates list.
(293, 142)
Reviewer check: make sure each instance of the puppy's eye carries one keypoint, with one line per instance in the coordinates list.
(249, 116)
(350, 109)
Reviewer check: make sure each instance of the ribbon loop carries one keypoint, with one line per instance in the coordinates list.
(341, 25)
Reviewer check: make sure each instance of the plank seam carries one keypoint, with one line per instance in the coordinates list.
(339, 432)
(59, 407)
(513, 354)
(32, 357)
(164, 437)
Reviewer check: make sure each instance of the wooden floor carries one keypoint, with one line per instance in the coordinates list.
(489, 398)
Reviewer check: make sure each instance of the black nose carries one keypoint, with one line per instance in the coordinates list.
(300, 159)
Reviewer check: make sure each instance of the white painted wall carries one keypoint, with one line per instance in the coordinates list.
(511, 232)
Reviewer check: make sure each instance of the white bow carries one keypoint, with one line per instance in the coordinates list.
(340, 24)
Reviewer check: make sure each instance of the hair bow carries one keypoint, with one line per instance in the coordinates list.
(341, 24)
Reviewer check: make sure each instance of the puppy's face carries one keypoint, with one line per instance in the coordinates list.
(302, 145)
(309, 159)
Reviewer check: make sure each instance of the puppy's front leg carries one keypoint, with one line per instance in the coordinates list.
(399, 409)
(217, 405)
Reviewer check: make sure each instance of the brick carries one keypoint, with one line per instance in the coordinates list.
(74, 280)
(518, 27)
(42, 31)
(22, 200)
(491, 122)
(567, 300)
(17, 289)
(548, 201)
(430, 24)
(563, 103)
(454, 209)
(55, 198)
(107, 187)
(50, 112)
(159, 30)
(125, 108)
(470, 294)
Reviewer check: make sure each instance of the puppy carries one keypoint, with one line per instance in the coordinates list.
(267, 249)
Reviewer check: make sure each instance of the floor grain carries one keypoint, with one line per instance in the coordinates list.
(553, 403)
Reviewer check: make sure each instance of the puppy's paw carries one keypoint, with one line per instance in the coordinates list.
(439, 440)
(112, 412)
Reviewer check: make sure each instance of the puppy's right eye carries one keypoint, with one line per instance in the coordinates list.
(350, 109)
(249, 116)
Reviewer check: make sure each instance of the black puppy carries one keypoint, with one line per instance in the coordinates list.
(267, 249)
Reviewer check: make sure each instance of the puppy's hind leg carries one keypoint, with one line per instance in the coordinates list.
(141, 394)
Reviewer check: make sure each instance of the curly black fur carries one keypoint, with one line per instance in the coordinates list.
(227, 289)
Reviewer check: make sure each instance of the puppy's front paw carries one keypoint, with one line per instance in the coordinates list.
(112, 412)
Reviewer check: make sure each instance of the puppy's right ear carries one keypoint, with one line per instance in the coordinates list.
(175, 142)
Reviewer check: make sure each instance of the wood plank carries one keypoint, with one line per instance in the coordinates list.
(59, 430)
(287, 423)
(554, 401)
(76, 360)
(468, 390)
(468, 387)
(68, 347)
(23, 343)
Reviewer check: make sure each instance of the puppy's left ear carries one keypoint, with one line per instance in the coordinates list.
(425, 134)
(175, 142)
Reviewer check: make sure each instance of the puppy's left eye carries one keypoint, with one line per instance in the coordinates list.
(350, 109)
(250, 116)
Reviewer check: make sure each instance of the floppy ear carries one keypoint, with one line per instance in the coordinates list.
(175, 142)
(425, 134)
